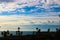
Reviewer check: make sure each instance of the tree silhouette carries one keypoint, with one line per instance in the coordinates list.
(37, 29)
(18, 32)
(4, 33)
(49, 30)
(11, 35)
(57, 35)
(18, 28)
(8, 34)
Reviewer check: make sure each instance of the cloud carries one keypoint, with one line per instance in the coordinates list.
(27, 20)
(13, 21)
(14, 4)
(6, 0)
(28, 12)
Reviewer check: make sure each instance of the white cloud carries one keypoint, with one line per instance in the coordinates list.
(13, 21)
(9, 6)
(28, 20)
(4, 6)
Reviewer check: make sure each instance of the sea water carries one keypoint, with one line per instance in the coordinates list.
(42, 27)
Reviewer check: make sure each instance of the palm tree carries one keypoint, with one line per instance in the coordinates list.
(4, 33)
(37, 29)
(11, 35)
(57, 34)
(56, 29)
(18, 28)
(18, 32)
(49, 30)
(8, 33)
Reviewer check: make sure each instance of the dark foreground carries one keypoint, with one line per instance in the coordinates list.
(36, 35)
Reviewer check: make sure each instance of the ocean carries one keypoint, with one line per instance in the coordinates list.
(42, 27)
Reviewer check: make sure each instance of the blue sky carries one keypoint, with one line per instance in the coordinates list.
(29, 12)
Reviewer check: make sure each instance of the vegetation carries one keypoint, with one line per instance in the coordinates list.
(36, 35)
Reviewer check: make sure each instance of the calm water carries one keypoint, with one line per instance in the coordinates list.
(14, 33)
(42, 27)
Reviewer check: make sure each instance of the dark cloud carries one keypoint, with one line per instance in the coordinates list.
(6, 0)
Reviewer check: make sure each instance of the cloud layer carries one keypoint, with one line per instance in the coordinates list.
(27, 20)
(11, 5)
(12, 22)
(29, 12)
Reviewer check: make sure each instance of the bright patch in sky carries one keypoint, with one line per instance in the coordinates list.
(29, 12)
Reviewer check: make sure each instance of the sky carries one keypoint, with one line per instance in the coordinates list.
(14, 13)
